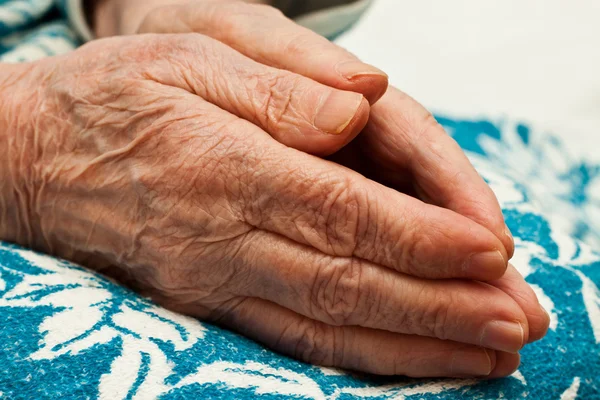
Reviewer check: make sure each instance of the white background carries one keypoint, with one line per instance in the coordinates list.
(535, 61)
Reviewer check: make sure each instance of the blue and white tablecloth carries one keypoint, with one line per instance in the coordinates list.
(69, 333)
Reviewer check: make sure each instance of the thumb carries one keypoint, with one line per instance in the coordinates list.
(294, 110)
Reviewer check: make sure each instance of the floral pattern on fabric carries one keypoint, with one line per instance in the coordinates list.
(70, 333)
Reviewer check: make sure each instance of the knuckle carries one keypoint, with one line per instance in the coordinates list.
(273, 98)
(265, 194)
(434, 318)
(337, 292)
(222, 274)
(417, 250)
(441, 327)
(322, 207)
(314, 343)
(340, 217)
(368, 228)
(174, 275)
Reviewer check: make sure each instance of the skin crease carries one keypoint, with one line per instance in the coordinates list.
(393, 132)
(138, 165)
(402, 146)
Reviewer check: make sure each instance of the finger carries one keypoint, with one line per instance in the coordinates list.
(338, 211)
(513, 284)
(355, 348)
(267, 36)
(506, 364)
(347, 291)
(409, 139)
(318, 203)
(295, 110)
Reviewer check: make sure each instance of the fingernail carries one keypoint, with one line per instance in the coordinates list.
(503, 335)
(355, 69)
(487, 263)
(471, 364)
(337, 111)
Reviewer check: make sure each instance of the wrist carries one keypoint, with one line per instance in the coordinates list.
(101, 16)
(121, 17)
(124, 17)
(18, 104)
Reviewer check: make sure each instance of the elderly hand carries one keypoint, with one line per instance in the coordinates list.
(401, 147)
(402, 138)
(260, 32)
(404, 148)
(135, 155)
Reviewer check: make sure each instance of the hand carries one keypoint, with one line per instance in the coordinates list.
(128, 155)
(402, 146)
(258, 31)
(304, 114)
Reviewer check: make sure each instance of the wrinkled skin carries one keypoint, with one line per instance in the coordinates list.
(157, 159)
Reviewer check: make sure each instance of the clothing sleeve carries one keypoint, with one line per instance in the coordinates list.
(75, 14)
